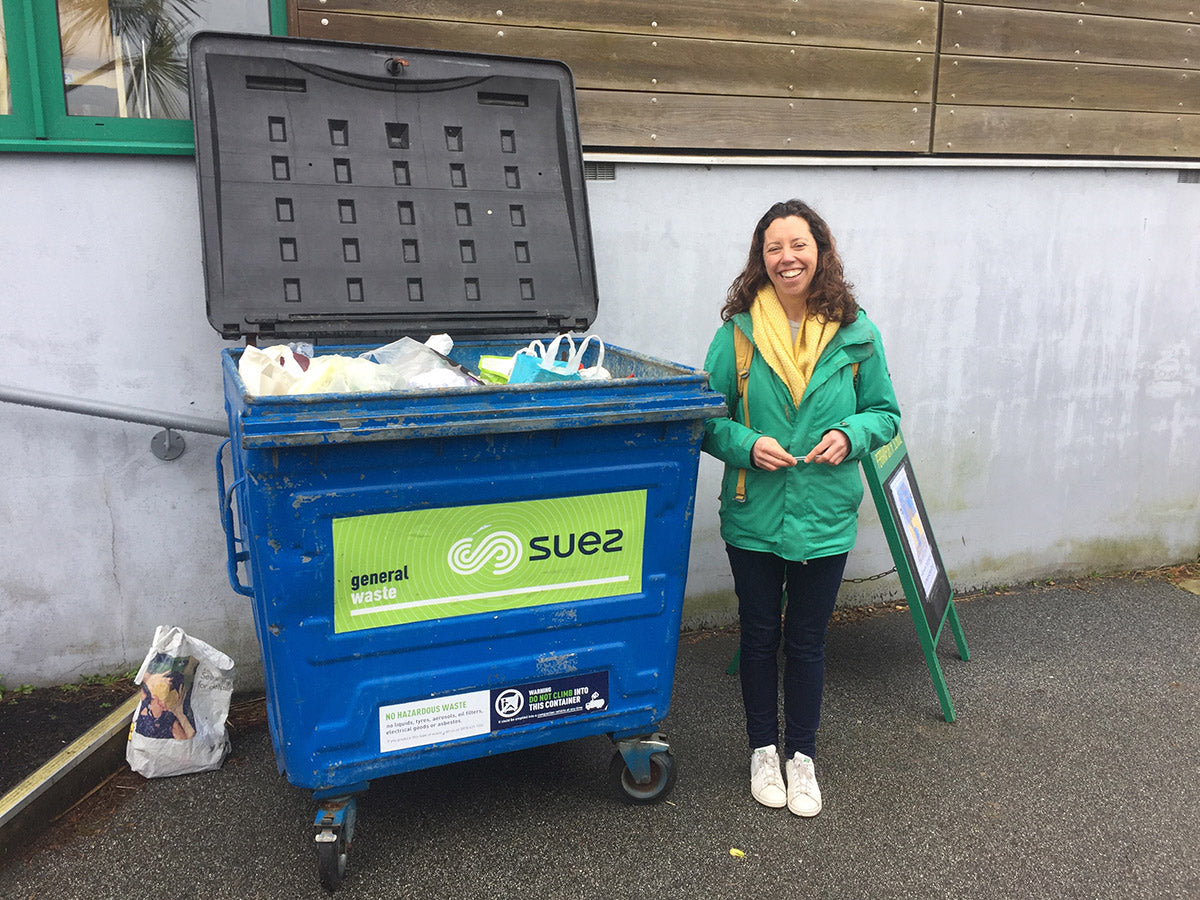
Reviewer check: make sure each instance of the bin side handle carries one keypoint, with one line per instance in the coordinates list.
(233, 555)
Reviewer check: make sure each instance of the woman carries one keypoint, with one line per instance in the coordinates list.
(817, 398)
(162, 712)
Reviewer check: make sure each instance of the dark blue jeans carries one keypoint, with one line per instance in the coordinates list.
(812, 587)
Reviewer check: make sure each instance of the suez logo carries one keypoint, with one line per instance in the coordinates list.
(505, 551)
(567, 545)
(501, 549)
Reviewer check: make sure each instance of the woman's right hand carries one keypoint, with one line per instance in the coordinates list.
(768, 455)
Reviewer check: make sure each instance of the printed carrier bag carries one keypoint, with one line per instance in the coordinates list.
(537, 363)
(179, 725)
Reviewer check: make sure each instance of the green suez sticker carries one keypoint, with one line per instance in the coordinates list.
(416, 565)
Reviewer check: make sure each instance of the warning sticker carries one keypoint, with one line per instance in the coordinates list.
(424, 722)
(541, 701)
(407, 725)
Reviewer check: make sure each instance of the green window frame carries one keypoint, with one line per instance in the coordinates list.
(37, 118)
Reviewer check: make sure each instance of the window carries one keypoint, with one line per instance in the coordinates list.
(5, 94)
(108, 76)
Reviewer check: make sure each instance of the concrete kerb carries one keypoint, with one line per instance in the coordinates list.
(75, 771)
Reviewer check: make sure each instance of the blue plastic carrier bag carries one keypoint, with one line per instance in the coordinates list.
(540, 363)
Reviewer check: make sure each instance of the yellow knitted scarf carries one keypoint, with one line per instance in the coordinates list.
(792, 361)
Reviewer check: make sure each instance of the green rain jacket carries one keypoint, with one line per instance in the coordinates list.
(811, 509)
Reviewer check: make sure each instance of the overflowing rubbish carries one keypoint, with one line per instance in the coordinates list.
(407, 364)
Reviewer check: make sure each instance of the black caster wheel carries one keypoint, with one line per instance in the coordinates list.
(334, 834)
(331, 862)
(662, 779)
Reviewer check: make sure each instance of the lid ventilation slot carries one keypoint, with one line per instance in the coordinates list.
(487, 98)
(267, 83)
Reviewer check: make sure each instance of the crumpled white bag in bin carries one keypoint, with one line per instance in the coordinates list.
(270, 371)
(401, 365)
(179, 724)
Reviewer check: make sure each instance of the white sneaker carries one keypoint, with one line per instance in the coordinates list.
(803, 794)
(766, 781)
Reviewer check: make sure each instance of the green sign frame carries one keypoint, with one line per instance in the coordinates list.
(893, 485)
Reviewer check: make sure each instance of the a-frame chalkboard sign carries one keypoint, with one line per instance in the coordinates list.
(890, 477)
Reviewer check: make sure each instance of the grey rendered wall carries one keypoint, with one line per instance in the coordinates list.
(1038, 324)
(103, 295)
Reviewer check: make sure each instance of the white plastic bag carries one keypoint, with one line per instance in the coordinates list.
(591, 373)
(345, 375)
(294, 369)
(179, 725)
(420, 365)
(269, 371)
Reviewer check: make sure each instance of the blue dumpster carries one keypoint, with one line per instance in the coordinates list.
(436, 575)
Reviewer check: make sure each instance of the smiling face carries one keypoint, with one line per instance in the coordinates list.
(790, 257)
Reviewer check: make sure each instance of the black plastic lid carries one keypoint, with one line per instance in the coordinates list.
(354, 191)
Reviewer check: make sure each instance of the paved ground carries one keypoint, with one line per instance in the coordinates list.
(1073, 771)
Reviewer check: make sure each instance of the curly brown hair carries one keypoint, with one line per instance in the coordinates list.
(829, 294)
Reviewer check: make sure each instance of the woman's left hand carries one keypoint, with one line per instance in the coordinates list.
(833, 448)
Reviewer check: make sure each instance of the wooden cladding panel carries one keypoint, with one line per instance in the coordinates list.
(875, 24)
(694, 121)
(1012, 130)
(674, 65)
(1158, 10)
(1014, 77)
(1037, 83)
(1020, 80)
(1033, 34)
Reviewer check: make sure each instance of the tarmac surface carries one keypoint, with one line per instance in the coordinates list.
(1072, 771)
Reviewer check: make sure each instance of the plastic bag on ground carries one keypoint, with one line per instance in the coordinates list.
(179, 725)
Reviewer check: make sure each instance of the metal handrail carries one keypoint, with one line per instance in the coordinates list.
(166, 444)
